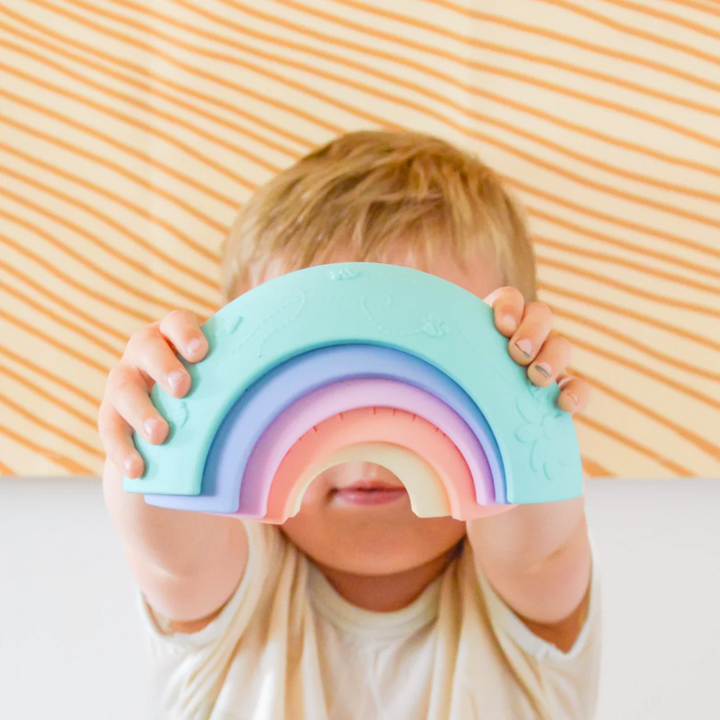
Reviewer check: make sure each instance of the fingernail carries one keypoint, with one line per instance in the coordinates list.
(543, 368)
(175, 379)
(193, 346)
(524, 346)
(150, 425)
(573, 398)
(509, 322)
(128, 464)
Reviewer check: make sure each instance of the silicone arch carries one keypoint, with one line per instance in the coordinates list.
(372, 425)
(256, 410)
(425, 489)
(341, 397)
(536, 458)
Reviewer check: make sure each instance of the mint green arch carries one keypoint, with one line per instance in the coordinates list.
(368, 303)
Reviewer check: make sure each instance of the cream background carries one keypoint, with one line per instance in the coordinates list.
(130, 133)
(71, 646)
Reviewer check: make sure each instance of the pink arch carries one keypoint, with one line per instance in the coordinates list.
(343, 396)
(386, 425)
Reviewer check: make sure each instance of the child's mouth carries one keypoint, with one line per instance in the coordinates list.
(370, 492)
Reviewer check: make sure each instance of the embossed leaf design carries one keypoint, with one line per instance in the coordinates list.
(529, 409)
(554, 467)
(552, 425)
(179, 413)
(280, 318)
(538, 454)
(230, 324)
(529, 433)
(343, 274)
(434, 326)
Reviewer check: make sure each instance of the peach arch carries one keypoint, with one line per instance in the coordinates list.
(378, 425)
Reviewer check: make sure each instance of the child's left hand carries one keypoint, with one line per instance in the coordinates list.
(533, 343)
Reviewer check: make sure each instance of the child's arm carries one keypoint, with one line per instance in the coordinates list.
(537, 557)
(187, 564)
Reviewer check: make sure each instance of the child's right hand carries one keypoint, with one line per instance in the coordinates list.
(149, 358)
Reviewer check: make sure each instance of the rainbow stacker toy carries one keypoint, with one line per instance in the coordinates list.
(359, 361)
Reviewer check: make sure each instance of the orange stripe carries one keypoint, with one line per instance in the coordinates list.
(643, 250)
(319, 73)
(606, 280)
(137, 123)
(700, 442)
(152, 109)
(679, 470)
(483, 44)
(449, 79)
(95, 241)
(53, 139)
(583, 209)
(627, 311)
(697, 6)
(44, 372)
(56, 457)
(72, 282)
(110, 221)
(576, 42)
(594, 469)
(70, 307)
(157, 81)
(56, 401)
(5, 471)
(115, 352)
(296, 85)
(634, 31)
(149, 159)
(198, 50)
(155, 51)
(624, 262)
(653, 352)
(419, 88)
(676, 19)
(643, 370)
(51, 428)
(103, 369)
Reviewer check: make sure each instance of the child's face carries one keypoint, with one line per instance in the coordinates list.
(356, 517)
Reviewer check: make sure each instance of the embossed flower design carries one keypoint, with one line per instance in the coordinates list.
(544, 424)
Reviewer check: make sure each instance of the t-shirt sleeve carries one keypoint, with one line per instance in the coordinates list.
(189, 666)
(569, 680)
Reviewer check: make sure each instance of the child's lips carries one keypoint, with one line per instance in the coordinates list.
(370, 493)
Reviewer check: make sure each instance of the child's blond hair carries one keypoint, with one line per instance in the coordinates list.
(366, 192)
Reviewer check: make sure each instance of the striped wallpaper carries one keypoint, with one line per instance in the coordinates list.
(131, 132)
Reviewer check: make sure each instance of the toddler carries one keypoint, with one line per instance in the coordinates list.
(357, 609)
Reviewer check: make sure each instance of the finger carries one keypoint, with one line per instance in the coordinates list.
(507, 304)
(532, 333)
(551, 361)
(128, 394)
(574, 394)
(116, 437)
(182, 329)
(148, 350)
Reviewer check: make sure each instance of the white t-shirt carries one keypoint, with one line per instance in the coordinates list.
(287, 646)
